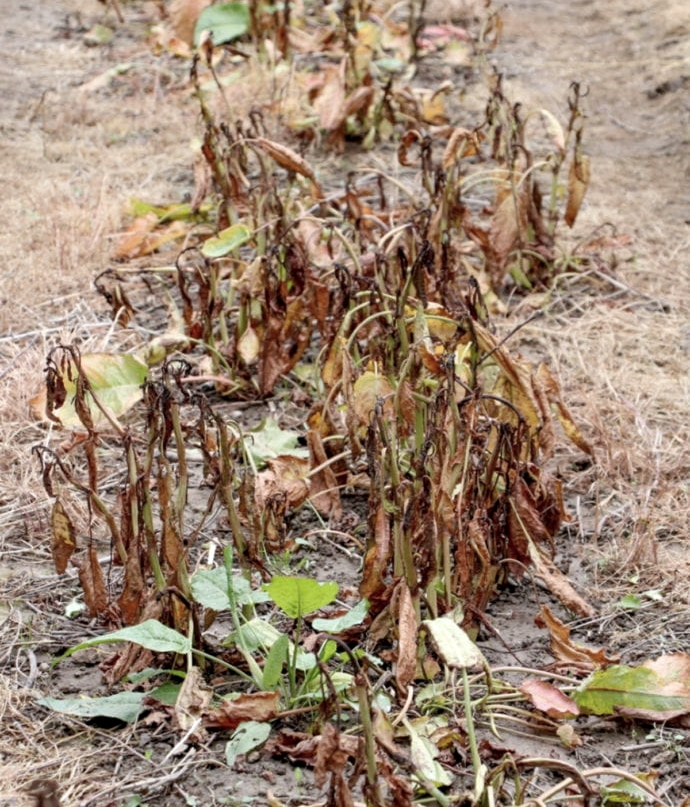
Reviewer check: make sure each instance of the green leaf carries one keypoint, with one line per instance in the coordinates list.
(246, 737)
(268, 441)
(226, 21)
(151, 634)
(353, 617)
(298, 596)
(115, 378)
(123, 706)
(273, 666)
(227, 240)
(210, 589)
(631, 602)
(453, 645)
(632, 688)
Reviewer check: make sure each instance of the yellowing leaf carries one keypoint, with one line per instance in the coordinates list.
(115, 378)
(63, 542)
(370, 389)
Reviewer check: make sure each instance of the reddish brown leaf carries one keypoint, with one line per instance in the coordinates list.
(63, 538)
(549, 699)
(408, 628)
(564, 649)
(578, 182)
(290, 160)
(132, 596)
(285, 339)
(93, 583)
(259, 706)
(325, 491)
(376, 559)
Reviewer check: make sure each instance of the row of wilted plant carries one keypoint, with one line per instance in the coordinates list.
(370, 295)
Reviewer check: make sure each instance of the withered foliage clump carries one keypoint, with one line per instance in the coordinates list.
(381, 284)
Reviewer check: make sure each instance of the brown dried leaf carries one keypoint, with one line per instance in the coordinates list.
(329, 104)
(368, 390)
(566, 650)
(290, 160)
(192, 702)
(144, 236)
(408, 628)
(63, 537)
(259, 706)
(376, 559)
(549, 699)
(578, 182)
(285, 339)
(93, 583)
(545, 380)
(557, 583)
(285, 479)
(132, 596)
(324, 490)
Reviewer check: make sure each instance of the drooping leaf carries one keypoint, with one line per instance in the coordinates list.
(563, 647)
(299, 596)
(115, 378)
(63, 540)
(275, 660)
(151, 634)
(578, 182)
(247, 737)
(225, 21)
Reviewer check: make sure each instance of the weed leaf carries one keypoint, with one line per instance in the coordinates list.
(226, 21)
(246, 737)
(151, 634)
(298, 596)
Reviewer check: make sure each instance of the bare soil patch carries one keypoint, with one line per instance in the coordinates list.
(85, 128)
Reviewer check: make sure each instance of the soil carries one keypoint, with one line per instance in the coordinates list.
(80, 141)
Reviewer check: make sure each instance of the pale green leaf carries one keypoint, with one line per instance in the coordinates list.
(225, 21)
(353, 617)
(298, 596)
(246, 737)
(226, 241)
(268, 441)
(210, 589)
(115, 378)
(151, 634)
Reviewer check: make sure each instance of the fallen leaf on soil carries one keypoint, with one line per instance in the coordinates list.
(658, 690)
(566, 650)
(549, 699)
(192, 701)
(258, 706)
